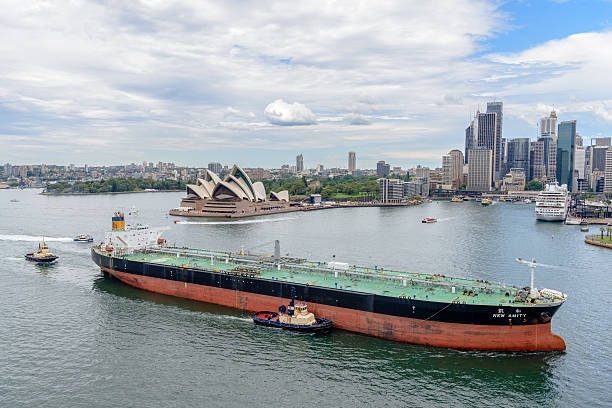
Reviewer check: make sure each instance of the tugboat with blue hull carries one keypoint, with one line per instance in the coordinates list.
(295, 317)
(42, 255)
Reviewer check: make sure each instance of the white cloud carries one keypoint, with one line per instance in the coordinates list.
(282, 113)
(357, 120)
(188, 75)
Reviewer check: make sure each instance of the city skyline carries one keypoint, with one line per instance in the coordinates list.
(139, 83)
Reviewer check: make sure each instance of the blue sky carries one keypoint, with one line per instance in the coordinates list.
(256, 83)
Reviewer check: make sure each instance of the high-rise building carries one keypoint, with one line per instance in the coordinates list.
(299, 163)
(447, 163)
(215, 167)
(518, 154)
(391, 190)
(598, 157)
(498, 109)
(457, 162)
(471, 133)
(537, 163)
(487, 129)
(382, 169)
(608, 172)
(602, 141)
(548, 126)
(566, 146)
(579, 164)
(352, 162)
(479, 169)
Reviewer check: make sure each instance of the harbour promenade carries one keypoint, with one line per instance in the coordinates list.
(597, 240)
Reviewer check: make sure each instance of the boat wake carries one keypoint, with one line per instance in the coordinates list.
(234, 222)
(446, 219)
(33, 238)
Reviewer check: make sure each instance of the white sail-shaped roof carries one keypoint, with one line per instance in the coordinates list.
(240, 182)
(260, 191)
(197, 190)
(241, 175)
(280, 196)
(226, 190)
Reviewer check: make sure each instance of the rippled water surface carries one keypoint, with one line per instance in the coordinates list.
(69, 337)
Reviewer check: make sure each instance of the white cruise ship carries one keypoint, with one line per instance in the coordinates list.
(552, 203)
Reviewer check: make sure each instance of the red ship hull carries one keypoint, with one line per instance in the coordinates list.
(537, 337)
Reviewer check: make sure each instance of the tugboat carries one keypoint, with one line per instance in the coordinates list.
(83, 238)
(43, 255)
(428, 220)
(294, 317)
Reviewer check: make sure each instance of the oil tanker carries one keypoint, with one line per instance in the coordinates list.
(435, 310)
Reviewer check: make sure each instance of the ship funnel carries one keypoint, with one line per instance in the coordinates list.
(277, 250)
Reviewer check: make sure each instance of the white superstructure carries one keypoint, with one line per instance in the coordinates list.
(552, 203)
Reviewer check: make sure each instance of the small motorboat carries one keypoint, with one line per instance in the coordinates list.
(83, 238)
(43, 255)
(486, 201)
(428, 220)
(527, 201)
(294, 317)
(584, 229)
(14, 200)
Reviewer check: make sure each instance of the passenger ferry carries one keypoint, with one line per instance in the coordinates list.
(552, 203)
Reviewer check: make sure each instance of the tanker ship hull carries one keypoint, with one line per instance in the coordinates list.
(462, 326)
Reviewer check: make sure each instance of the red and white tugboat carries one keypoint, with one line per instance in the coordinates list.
(294, 317)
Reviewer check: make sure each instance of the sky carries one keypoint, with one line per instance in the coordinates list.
(256, 83)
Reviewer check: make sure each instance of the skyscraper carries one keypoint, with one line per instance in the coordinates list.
(566, 145)
(470, 138)
(299, 163)
(486, 138)
(498, 109)
(579, 162)
(537, 163)
(352, 161)
(479, 169)
(456, 176)
(608, 172)
(518, 154)
(548, 126)
(447, 164)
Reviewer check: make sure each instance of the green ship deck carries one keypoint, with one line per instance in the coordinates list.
(419, 286)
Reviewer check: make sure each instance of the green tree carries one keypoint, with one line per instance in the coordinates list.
(534, 185)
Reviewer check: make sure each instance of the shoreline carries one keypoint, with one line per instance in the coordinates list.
(590, 239)
(177, 213)
(109, 192)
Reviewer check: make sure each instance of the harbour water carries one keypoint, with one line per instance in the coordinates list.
(69, 337)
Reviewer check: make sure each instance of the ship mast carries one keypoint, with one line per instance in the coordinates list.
(532, 265)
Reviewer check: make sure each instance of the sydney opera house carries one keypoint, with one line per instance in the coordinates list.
(234, 196)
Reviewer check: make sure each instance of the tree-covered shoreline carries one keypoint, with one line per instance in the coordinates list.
(114, 185)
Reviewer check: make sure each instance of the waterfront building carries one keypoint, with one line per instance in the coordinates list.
(608, 172)
(352, 162)
(215, 167)
(566, 147)
(234, 196)
(596, 180)
(391, 190)
(382, 169)
(548, 126)
(498, 109)
(479, 169)
(299, 163)
(537, 164)
(518, 154)
(417, 186)
(514, 180)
